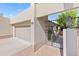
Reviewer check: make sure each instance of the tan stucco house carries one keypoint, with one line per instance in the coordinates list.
(30, 25)
(5, 27)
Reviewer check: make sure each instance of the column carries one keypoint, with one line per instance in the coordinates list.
(14, 31)
(70, 42)
(33, 25)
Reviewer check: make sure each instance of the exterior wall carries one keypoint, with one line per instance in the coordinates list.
(22, 24)
(40, 34)
(44, 9)
(76, 5)
(5, 26)
(68, 5)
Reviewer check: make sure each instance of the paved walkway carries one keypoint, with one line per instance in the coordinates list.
(45, 50)
(48, 51)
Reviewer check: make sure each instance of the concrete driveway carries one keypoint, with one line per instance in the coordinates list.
(10, 46)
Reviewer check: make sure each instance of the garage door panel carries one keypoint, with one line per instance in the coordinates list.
(23, 33)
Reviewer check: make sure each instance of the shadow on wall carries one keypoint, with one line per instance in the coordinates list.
(40, 35)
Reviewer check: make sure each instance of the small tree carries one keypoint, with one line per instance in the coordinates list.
(62, 18)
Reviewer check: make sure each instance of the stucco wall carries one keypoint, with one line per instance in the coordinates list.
(40, 35)
(76, 5)
(43, 9)
(68, 5)
(5, 27)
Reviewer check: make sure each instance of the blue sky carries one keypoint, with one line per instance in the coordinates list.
(12, 9)
(53, 16)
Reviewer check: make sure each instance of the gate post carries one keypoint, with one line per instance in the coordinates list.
(69, 42)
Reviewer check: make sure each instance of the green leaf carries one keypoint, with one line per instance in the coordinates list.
(62, 18)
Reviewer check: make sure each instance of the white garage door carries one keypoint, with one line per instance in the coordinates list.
(23, 33)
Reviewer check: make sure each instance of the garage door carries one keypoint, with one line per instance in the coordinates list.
(23, 33)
